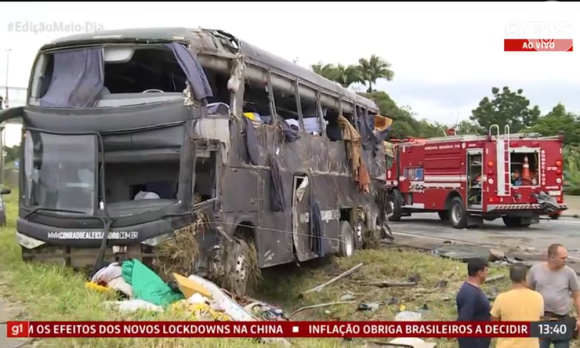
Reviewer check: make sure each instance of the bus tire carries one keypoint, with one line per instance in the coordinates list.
(347, 243)
(358, 223)
(394, 210)
(457, 213)
(234, 266)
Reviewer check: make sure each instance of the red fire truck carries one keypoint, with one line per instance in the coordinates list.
(471, 178)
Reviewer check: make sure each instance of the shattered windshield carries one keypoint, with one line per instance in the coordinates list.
(60, 171)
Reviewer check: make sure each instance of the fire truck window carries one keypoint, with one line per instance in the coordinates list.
(413, 173)
(474, 179)
(524, 168)
(419, 173)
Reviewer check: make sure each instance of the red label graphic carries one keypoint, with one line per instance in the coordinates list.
(538, 45)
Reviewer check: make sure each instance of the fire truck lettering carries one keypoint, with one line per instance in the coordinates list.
(443, 147)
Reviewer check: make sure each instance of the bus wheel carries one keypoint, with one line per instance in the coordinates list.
(394, 205)
(443, 215)
(358, 235)
(346, 247)
(358, 222)
(235, 266)
(457, 213)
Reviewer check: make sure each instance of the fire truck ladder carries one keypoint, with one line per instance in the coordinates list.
(503, 159)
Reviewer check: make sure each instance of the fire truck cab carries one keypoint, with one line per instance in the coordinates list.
(467, 179)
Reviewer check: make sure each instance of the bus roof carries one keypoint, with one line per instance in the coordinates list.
(202, 36)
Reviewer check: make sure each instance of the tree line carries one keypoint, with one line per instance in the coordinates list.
(503, 106)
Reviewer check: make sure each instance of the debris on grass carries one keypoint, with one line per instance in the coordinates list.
(265, 311)
(97, 287)
(320, 305)
(408, 316)
(389, 284)
(134, 305)
(333, 280)
(495, 278)
(198, 311)
(370, 306)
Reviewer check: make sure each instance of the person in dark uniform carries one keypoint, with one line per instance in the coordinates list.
(472, 303)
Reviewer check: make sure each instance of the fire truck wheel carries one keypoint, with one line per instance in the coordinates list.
(346, 247)
(394, 205)
(443, 215)
(554, 216)
(457, 214)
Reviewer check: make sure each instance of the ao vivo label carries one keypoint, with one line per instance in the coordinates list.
(538, 45)
(267, 329)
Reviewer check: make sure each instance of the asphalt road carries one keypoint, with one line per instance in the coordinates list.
(564, 230)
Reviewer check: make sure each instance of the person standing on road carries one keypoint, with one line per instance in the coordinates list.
(472, 303)
(518, 304)
(557, 283)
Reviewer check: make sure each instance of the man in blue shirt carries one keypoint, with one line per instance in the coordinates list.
(472, 303)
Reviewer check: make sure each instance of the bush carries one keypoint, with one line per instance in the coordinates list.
(572, 170)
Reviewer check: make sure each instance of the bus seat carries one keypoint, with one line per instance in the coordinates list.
(293, 123)
(218, 108)
(311, 125)
(254, 116)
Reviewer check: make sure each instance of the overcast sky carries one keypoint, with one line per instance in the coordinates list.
(446, 56)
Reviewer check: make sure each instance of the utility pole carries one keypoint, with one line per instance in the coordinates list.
(6, 99)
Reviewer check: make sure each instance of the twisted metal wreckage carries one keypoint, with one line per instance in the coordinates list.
(250, 194)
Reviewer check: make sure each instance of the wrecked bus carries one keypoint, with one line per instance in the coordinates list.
(192, 148)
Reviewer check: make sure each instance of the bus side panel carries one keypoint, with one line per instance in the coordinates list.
(274, 239)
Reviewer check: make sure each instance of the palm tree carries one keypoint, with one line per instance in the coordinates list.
(375, 68)
(347, 75)
(325, 70)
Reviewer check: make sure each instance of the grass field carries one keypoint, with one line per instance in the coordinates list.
(52, 293)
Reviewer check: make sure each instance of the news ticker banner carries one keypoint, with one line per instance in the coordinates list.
(538, 45)
(287, 329)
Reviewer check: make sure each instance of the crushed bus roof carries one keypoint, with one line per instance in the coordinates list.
(202, 38)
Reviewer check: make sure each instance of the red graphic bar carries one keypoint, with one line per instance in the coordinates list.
(538, 45)
(43, 329)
